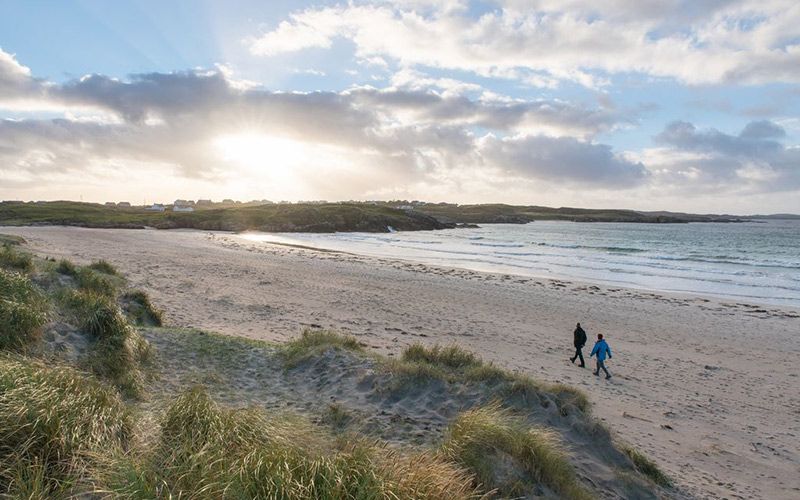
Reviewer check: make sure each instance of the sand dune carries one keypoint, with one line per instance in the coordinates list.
(707, 388)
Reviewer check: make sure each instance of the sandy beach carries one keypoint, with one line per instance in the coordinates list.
(707, 388)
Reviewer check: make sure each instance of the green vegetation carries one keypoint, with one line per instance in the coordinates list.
(11, 258)
(93, 281)
(118, 352)
(67, 268)
(500, 213)
(11, 240)
(104, 267)
(52, 421)
(647, 467)
(210, 452)
(141, 309)
(508, 455)
(314, 342)
(452, 363)
(316, 218)
(23, 311)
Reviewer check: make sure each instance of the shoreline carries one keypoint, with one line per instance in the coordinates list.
(708, 390)
(742, 300)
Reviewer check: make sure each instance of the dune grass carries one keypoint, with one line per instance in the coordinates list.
(118, 352)
(205, 451)
(104, 267)
(314, 342)
(454, 364)
(11, 258)
(23, 311)
(67, 268)
(141, 308)
(11, 240)
(508, 455)
(91, 280)
(647, 467)
(52, 421)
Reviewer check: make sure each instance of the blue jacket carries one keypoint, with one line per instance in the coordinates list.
(601, 349)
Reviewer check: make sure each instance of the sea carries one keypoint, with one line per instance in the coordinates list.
(755, 262)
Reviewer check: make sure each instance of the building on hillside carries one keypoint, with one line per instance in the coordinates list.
(204, 203)
(124, 204)
(111, 204)
(182, 208)
(156, 207)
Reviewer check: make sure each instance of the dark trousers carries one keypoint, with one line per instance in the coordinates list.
(578, 354)
(601, 365)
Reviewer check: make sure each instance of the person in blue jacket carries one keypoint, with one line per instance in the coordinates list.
(601, 349)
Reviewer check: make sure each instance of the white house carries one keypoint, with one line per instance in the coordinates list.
(179, 208)
(157, 207)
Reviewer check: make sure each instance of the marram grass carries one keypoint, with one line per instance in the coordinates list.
(23, 311)
(52, 421)
(509, 456)
(118, 352)
(205, 451)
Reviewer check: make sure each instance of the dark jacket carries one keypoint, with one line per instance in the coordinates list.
(580, 337)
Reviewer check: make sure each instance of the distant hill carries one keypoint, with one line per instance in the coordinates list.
(312, 218)
(499, 213)
(776, 217)
(332, 217)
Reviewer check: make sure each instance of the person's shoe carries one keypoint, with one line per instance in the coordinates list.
(583, 366)
(608, 377)
(573, 360)
(596, 374)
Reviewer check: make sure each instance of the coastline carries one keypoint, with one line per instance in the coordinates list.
(718, 374)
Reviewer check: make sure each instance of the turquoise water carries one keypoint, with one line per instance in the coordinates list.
(756, 262)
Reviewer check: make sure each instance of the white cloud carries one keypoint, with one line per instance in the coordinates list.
(693, 42)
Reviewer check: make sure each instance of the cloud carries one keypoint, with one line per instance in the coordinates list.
(743, 41)
(420, 136)
(564, 158)
(752, 161)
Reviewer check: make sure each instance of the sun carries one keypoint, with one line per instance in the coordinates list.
(261, 152)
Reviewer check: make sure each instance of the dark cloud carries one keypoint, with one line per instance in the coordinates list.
(565, 159)
(754, 159)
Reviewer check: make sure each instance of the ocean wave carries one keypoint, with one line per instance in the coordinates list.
(610, 249)
(498, 245)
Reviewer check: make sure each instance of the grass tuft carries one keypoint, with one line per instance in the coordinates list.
(11, 240)
(11, 258)
(313, 342)
(93, 281)
(508, 455)
(451, 356)
(647, 467)
(67, 268)
(141, 309)
(118, 352)
(23, 311)
(104, 267)
(454, 364)
(52, 420)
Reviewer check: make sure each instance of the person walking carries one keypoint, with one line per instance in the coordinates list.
(602, 350)
(579, 340)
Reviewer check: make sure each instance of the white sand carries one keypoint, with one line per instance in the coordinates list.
(707, 388)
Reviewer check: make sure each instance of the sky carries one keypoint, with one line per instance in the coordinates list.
(642, 104)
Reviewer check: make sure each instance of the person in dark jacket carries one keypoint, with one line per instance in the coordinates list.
(579, 341)
(602, 350)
